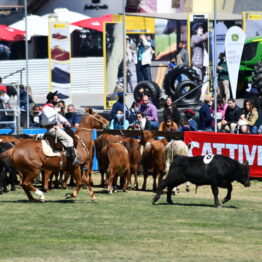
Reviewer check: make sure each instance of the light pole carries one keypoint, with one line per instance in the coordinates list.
(214, 64)
(26, 58)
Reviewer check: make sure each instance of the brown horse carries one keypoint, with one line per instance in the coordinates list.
(28, 157)
(90, 121)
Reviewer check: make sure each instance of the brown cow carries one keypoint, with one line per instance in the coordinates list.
(132, 146)
(102, 141)
(115, 160)
(153, 157)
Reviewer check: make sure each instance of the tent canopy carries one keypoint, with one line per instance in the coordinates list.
(96, 23)
(11, 34)
(38, 25)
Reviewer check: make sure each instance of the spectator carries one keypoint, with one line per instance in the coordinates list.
(134, 109)
(205, 115)
(182, 54)
(118, 123)
(223, 77)
(232, 116)
(35, 118)
(3, 104)
(61, 107)
(172, 63)
(199, 49)
(141, 123)
(144, 57)
(72, 117)
(150, 112)
(168, 124)
(221, 110)
(23, 105)
(188, 123)
(248, 118)
(171, 109)
(119, 105)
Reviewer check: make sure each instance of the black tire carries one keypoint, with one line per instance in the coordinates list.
(150, 88)
(170, 81)
(257, 77)
(185, 87)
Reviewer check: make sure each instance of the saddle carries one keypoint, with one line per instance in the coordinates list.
(56, 145)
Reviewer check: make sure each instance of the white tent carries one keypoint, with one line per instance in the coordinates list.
(38, 25)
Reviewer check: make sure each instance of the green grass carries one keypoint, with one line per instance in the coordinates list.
(127, 227)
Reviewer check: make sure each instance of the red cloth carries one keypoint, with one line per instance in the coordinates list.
(2, 88)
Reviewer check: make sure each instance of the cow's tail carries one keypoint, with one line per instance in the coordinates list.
(6, 154)
(159, 191)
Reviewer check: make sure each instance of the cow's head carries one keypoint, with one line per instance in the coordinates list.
(243, 175)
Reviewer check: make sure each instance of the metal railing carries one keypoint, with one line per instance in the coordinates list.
(16, 112)
(18, 71)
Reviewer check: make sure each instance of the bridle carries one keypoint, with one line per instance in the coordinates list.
(94, 117)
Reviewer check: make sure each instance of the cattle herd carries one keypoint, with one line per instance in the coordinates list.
(125, 157)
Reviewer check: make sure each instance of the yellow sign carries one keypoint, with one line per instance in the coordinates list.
(137, 24)
(254, 17)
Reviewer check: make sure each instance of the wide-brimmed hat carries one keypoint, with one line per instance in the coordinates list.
(190, 111)
(197, 25)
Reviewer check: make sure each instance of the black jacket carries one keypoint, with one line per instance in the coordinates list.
(232, 115)
(173, 111)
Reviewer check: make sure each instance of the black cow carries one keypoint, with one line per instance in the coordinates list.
(220, 172)
(6, 166)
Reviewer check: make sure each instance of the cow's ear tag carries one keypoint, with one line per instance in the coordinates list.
(207, 159)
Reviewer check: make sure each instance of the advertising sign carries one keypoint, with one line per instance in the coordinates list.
(252, 24)
(59, 59)
(239, 147)
(234, 43)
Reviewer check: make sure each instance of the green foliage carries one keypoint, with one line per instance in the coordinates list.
(127, 227)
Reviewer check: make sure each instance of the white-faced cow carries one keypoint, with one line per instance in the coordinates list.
(216, 171)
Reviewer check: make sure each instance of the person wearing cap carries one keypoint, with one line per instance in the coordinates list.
(205, 115)
(119, 105)
(188, 123)
(199, 48)
(51, 120)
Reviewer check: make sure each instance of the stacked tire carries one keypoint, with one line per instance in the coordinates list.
(151, 88)
(175, 88)
(257, 77)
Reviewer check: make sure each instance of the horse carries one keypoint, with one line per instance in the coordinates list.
(28, 158)
(90, 121)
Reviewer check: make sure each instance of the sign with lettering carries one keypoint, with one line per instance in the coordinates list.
(239, 147)
(234, 43)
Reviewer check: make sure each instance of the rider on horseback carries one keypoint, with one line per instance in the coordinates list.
(51, 120)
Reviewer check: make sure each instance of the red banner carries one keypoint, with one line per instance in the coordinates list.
(240, 147)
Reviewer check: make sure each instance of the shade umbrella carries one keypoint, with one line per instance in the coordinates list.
(95, 23)
(11, 34)
(36, 26)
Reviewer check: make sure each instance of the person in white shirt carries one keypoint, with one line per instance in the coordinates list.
(51, 120)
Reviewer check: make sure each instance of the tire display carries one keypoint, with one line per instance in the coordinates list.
(151, 88)
(173, 79)
(185, 87)
(257, 77)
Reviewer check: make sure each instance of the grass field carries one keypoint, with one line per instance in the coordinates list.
(127, 227)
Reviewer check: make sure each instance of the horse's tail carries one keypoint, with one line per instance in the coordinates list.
(7, 153)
